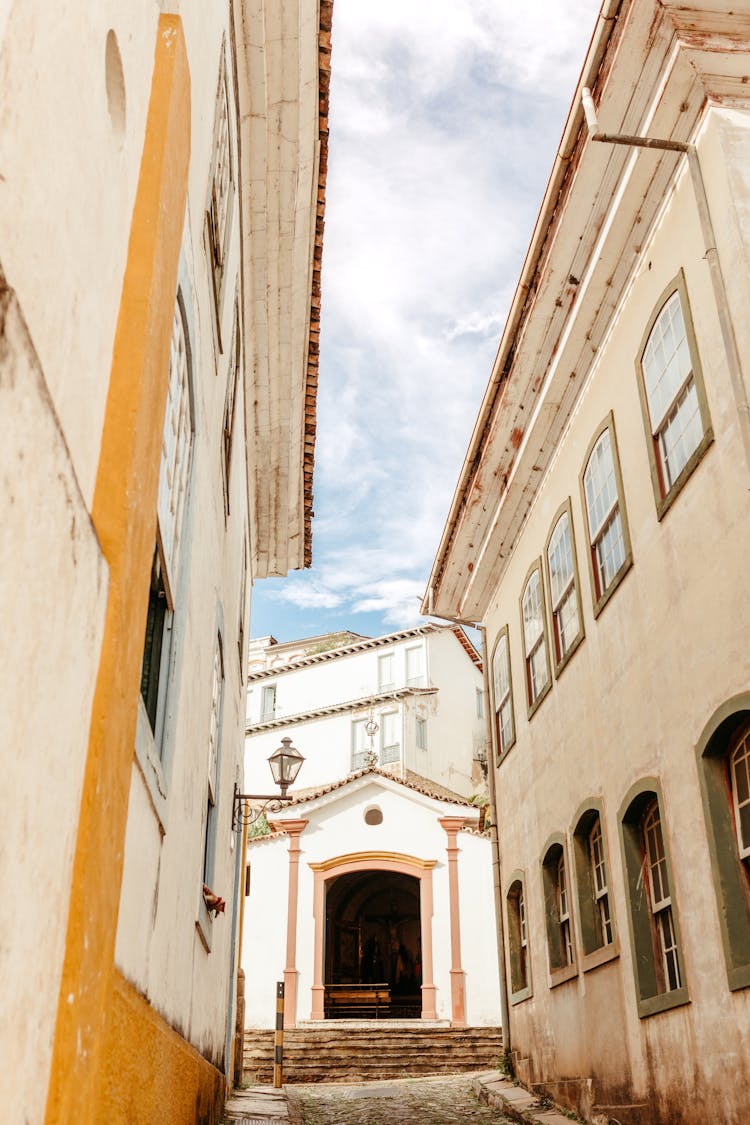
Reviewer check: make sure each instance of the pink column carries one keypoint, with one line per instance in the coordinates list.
(425, 909)
(319, 907)
(452, 824)
(294, 829)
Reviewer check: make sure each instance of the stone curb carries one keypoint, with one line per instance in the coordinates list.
(514, 1101)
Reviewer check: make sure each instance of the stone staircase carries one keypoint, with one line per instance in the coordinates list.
(367, 1050)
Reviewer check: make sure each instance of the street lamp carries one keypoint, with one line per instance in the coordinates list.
(285, 763)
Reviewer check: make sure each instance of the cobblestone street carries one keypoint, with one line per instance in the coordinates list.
(427, 1101)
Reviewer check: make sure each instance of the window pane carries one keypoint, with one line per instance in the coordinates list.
(385, 670)
(682, 432)
(533, 622)
(610, 552)
(567, 620)
(666, 361)
(414, 670)
(538, 670)
(501, 671)
(505, 717)
(268, 703)
(175, 449)
(560, 556)
(421, 734)
(600, 485)
(656, 858)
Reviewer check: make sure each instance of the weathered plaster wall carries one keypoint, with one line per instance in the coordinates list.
(666, 650)
(52, 572)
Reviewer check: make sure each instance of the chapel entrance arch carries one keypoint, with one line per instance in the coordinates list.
(373, 925)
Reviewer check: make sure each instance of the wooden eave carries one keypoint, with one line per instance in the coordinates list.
(598, 209)
(283, 55)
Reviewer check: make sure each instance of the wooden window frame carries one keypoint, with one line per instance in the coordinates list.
(415, 681)
(516, 910)
(217, 248)
(265, 715)
(387, 747)
(601, 598)
(387, 685)
(230, 403)
(497, 705)
(652, 996)
(664, 494)
(561, 951)
(355, 723)
(595, 949)
(561, 660)
(532, 705)
(731, 873)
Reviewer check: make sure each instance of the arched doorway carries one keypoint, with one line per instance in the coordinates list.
(380, 911)
(373, 936)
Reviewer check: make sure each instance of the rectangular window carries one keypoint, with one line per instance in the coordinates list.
(504, 718)
(390, 739)
(174, 478)
(610, 556)
(660, 899)
(518, 942)
(221, 192)
(229, 403)
(563, 588)
(386, 671)
(360, 744)
(214, 742)
(599, 881)
(535, 639)
(479, 702)
(673, 395)
(268, 703)
(415, 666)
(566, 943)
(421, 734)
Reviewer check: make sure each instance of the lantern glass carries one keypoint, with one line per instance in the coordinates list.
(285, 764)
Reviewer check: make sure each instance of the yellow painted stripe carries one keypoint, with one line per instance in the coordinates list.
(124, 514)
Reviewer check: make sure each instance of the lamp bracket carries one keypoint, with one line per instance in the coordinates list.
(244, 813)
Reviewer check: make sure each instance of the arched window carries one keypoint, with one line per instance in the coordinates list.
(657, 958)
(724, 771)
(562, 574)
(533, 623)
(503, 695)
(672, 394)
(557, 912)
(518, 941)
(593, 885)
(609, 554)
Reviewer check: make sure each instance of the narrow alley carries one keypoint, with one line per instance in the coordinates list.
(440, 1100)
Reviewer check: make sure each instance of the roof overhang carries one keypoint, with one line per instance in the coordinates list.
(652, 66)
(283, 67)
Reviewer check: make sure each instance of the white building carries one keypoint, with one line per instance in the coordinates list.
(387, 882)
(162, 180)
(420, 690)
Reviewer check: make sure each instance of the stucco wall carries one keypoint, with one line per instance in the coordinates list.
(336, 828)
(666, 650)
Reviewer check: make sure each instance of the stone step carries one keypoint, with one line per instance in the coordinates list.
(375, 1051)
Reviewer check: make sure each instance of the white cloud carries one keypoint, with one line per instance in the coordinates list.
(444, 117)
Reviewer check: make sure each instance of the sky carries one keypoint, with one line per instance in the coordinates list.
(445, 116)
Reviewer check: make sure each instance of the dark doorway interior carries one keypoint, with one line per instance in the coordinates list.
(373, 937)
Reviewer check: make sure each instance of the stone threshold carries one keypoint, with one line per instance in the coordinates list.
(516, 1102)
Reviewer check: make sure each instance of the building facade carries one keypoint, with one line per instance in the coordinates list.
(599, 532)
(388, 891)
(162, 187)
(410, 701)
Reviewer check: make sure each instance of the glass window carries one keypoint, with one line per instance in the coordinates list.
(599, 881)
(386, 671)
(740, 779)
(214, 741)
(677, 427)
(518, 939)
(421, 734)
(563, 911)
(609, 551)
(504, 718)
(563, 593)
(268, 703)
(660, 897)
(390, 739)
(535, 638)
(360, 744)
(221, 175)
(479, 699)
(229, 403)
(415, 666)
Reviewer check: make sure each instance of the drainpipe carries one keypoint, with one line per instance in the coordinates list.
(494, 838)
(711, 253)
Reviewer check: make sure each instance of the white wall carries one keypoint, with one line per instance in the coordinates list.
(336, 827)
